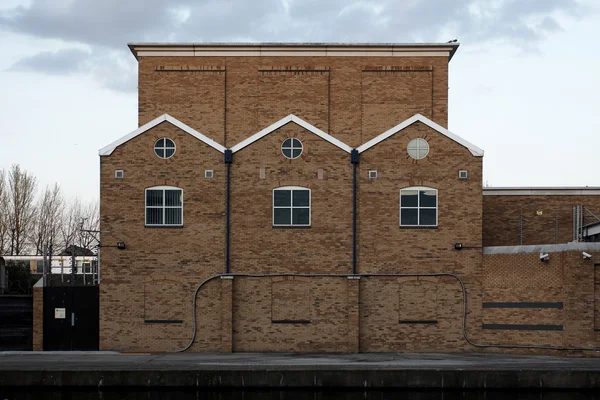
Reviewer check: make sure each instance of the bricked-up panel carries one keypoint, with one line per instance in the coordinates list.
(290, 301)
(417, 303)
(163, 301)
(194, 96)
(597, 297)
(304, 93)
(391, 96)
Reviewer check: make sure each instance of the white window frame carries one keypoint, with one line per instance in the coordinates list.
(417, 148)
(164, 207)
(418, 207)
(292, 148)
(164, 148)
(291, 207)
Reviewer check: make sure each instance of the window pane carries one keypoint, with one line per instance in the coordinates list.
(154, 216)
(300, 198)
(173, 197)
(160, 153)
(428, 217)
(160, 143)
(282, 216)
(173, 216)
(427, 198)
(296, 143)
(282, 198)
(408, 216)
(154, 198)
(169, 143)
(287, 152)
(169, 152)
(409, 198)
(300, 216)
(296, 153)
(287, 143)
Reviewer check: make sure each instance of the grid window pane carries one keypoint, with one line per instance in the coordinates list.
(154, 216)
(300, 198)
(287, 152)
(296, 153)
(409, 198)
(154, 198)
(282, 216)
(160, 152)
(160, 143)
(169, 143)
(296, 143)
(409, 216)
(173, 198)
(428, 217)
(427, 198)
(173, 216)
(300, 216)
(169, 152)
(282, 198)
(287, 143)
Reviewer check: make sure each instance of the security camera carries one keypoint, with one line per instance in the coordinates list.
(544, 257)
(586, 256)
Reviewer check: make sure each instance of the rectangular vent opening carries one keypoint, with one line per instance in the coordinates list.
(373, 174)
(209, 173)
(119, 174)
(463, 174)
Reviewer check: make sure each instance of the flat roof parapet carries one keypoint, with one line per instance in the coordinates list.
(203, 49)
(542, 248)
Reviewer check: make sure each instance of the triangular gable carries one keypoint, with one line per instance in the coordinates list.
(284, 121)
(476, 151)
(107, 151)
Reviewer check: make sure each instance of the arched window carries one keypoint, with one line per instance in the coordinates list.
(291, 206)
(418, 206)
(164, 206)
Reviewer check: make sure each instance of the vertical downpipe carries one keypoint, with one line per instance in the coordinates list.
(228, 160)
(354, 158)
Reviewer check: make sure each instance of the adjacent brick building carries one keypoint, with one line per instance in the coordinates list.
(291, 197)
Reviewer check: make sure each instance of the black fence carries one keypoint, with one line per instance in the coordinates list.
(16, 322)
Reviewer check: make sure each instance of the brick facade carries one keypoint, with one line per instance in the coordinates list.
(293, 289)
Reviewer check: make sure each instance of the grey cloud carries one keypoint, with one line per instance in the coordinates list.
(54, 63)
(107, 25)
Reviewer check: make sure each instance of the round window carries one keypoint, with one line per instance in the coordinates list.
(418, 148)
(164, 148)
(291, 148)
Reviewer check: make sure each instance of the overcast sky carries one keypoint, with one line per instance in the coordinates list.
(524, 85)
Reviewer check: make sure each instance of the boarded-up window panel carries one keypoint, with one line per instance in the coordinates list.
(597, 297)
(290, 301)
(417, 302)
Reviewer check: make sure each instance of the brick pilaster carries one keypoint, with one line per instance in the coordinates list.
(353, 314)
(226, 314)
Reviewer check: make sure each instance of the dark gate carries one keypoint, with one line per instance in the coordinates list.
(71, 318)
(16, 320)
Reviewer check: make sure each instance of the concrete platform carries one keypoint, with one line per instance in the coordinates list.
(255, 370)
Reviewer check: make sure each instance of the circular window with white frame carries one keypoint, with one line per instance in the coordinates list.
(418, 148)
(164, 148)
(291, 148)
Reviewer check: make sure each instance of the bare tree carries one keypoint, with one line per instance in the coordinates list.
(49, 220)
(21, 207)
(4, 239)
(70, 223)
(89, 222)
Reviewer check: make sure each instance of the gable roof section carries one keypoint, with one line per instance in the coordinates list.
(476, 151)
(284, 121)
(107, 151)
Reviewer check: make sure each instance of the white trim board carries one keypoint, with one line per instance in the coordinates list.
(287, 120)
(107, 150)
(476, 151)
(541, 191)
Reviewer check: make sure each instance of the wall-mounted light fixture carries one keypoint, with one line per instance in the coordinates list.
(458, 246)
(121, 245)
(544, 257)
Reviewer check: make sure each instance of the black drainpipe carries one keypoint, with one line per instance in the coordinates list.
(228, 160)
(354, 158)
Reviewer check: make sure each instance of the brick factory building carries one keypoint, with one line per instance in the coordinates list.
(309, 198)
